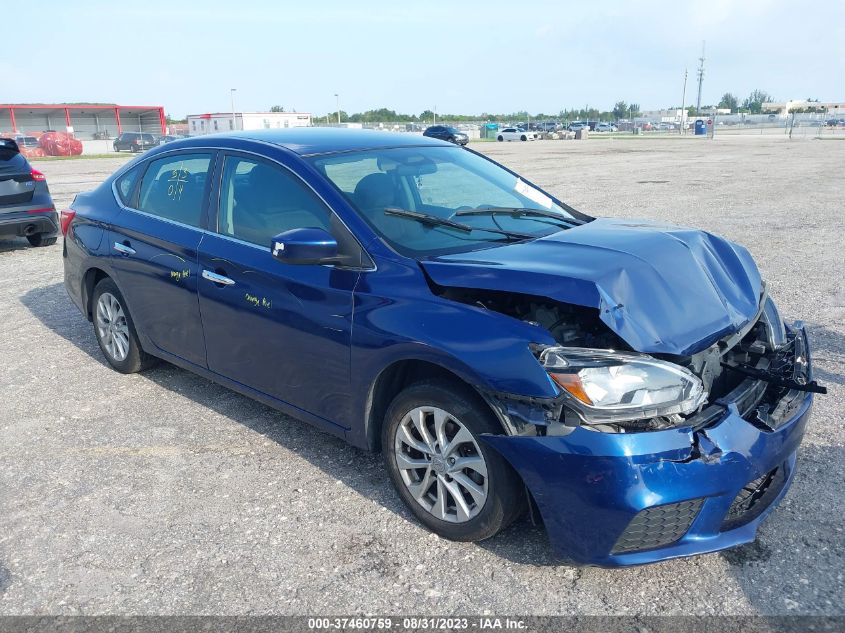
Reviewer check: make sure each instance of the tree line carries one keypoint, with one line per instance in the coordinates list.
(621, 110)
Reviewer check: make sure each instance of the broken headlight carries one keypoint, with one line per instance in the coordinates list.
(610, 387)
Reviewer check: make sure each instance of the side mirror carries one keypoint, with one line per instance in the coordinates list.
(304, 246)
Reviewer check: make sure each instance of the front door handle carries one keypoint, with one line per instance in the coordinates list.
(218, 279)
(123, 249)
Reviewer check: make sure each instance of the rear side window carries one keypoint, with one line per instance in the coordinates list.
(126, 184)
(173, 188)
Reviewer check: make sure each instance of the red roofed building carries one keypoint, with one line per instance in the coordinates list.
(86, 121)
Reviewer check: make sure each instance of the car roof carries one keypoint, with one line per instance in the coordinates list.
(323, 140)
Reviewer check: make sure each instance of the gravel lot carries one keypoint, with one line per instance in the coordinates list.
(163, 493)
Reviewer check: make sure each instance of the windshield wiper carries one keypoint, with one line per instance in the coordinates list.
(518, 212)
(433, 220)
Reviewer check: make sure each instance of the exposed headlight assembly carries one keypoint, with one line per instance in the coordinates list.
(607, 387)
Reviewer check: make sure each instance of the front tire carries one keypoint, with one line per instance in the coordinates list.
(115, 330)
(38, 239)
(523, 138)
(454, 484)
(500, 138)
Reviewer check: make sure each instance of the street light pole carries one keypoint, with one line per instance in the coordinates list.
(337, 102)
(232, 95)
(683, 103)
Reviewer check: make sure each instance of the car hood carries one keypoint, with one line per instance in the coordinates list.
(661, 288)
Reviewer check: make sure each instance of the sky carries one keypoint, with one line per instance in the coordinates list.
(458, 57)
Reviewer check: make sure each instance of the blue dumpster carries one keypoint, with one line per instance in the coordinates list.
(700, 127)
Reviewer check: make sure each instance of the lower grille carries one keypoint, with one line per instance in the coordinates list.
(658, 526)
(754, 498)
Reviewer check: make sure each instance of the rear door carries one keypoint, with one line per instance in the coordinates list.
(17, 185)
(154, 252)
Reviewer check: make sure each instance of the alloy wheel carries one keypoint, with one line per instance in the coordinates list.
(441, 464)
(112, 327)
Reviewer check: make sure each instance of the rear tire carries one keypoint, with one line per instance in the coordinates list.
(454, 484)
(38, 239)
(523, 138)
(500, 138)
(115, 330)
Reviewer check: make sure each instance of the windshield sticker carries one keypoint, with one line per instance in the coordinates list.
(535, 195)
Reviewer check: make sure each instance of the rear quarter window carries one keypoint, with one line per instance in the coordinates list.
(126, 184)
(173, 188)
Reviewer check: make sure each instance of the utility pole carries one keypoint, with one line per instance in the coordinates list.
(232, 95)
(435, 114)
(700, 79)
(337, 102)
(684, 103)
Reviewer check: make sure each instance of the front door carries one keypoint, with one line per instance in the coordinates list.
(154, 253)
(279, 328)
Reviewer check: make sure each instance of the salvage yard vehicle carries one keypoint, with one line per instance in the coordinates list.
(515, 134)
(134, 142)
(630, 383)
(26, 207)
(447, 133)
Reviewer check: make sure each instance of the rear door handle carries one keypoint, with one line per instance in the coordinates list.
(123, 249)
(218, 279)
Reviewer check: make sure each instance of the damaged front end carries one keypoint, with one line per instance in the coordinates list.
(647, 457)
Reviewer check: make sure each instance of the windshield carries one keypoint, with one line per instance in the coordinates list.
(445, 183)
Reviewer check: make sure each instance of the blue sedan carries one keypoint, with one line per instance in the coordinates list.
(630, 383)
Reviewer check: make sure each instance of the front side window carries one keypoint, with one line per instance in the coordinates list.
(443, 183)
(259, 200)
(173, 188)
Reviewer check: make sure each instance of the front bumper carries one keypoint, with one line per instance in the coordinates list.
(634, 498)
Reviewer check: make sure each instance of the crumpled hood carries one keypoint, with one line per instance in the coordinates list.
(661, 288)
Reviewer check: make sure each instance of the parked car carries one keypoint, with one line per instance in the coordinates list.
(161, 140)
(29, 146)
(631, 380)
(578, 125)
(28, 142)
(446, 133)
(515, 134)
(606, 127)
(134, 142)
(26, 207)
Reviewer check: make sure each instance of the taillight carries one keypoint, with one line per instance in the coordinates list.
(66, 218)
(37, 175)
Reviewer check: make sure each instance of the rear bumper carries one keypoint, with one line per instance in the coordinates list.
(629, 499)
(24, 222)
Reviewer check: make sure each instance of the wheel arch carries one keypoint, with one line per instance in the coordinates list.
(90, 279)
(401, 374)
